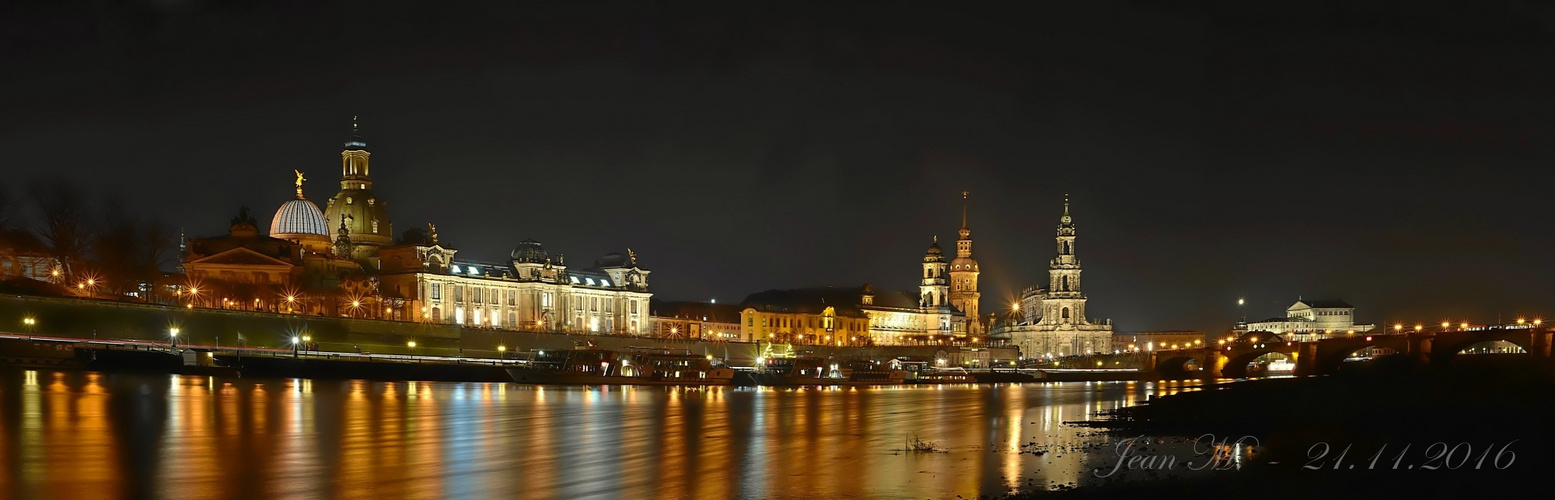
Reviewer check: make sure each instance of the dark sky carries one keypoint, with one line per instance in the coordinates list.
(1394, 154)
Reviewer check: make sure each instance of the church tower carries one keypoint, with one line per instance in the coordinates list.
(1064, 303)
(963, 275)
(355, 207)
(932, 292)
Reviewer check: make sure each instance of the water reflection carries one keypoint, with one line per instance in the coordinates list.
(89, 435)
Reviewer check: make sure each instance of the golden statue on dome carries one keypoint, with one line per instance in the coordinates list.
(300, 178)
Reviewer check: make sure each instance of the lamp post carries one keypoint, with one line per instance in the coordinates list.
(172, 337)
(295, 344)
(29, 322)
(502, 350)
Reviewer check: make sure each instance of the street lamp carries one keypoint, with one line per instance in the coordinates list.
(172, 337)
(29, 322)
(503, 351)
(296, 342)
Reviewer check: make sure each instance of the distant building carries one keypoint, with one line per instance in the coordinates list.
(1158, 340)
(531, 291)
(22, 255)
(1054, 322)
(805, 316)
(250, 271)
(1310, 320)
(363, 219)
(963, 277)
(695, 320)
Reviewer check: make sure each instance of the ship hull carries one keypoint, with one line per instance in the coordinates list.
(557, 377)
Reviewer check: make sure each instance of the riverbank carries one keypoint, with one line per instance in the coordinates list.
(1479, 428)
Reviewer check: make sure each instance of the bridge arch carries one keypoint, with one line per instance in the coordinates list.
(1237, 360)
(1178, 365)
(1331, 353)
(1447, 345)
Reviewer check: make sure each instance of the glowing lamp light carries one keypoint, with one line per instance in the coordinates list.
(411, 344)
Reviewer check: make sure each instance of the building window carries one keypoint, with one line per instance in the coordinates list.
(1066, 314)
(545, 299)
(437, 291)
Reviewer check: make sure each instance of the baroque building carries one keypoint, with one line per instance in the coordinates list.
(531, 291)
(943, 310)
(359, 215)
(963, 276)
(1055, 323)
(1312, 320)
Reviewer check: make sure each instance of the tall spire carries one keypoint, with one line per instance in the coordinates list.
(356, 141)
(1065, 219)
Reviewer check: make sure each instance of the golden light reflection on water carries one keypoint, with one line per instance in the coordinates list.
(89, 435)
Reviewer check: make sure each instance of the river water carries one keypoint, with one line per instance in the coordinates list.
(73, 435)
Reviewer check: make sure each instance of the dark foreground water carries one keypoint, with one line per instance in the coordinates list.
(89, 435)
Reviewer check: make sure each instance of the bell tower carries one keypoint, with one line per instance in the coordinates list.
(932, 291)
(963, 275)
(353, 161)
(1064, 304)
(362, 212)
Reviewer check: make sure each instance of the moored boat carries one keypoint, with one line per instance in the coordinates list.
(640, 366)
(814, 371)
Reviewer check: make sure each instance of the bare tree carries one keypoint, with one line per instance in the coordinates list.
(155, 248)
(62, 211)
(116, 247)
(5, 208)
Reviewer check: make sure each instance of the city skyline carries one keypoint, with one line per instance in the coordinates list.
(743, 177)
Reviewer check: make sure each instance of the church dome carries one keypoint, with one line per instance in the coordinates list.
(529, 251)
(934, 254)
(298, 217)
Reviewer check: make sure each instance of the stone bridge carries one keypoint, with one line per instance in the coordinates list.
(1324, 357)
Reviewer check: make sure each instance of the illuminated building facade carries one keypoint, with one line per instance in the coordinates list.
(1055, 323)
(805, 316)
(530, 291)
(696, 320)
(23, 255)
(1312, 320)
(355, 212)
(850, 316)
(963, 277)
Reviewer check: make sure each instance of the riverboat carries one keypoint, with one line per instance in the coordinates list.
(639, 366)
(814, 371)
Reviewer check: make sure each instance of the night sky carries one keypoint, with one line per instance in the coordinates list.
(1393, 154)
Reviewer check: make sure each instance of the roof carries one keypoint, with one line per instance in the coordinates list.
(21, 241)
(808, 300)
(719, 313)
(299, 216)
(1325, 304)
